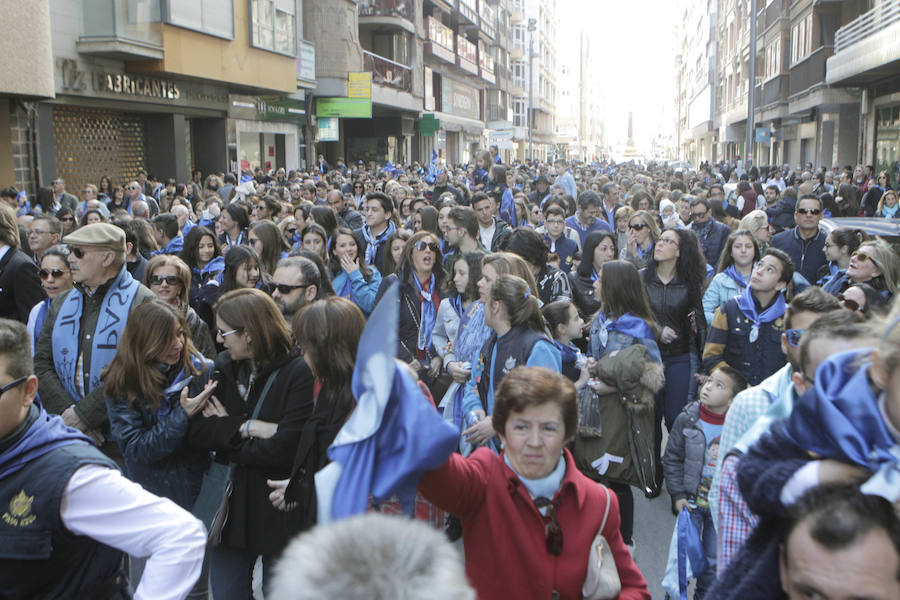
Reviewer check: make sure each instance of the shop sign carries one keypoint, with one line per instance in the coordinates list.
(329, 129)
(138, 86)
(459, 99)
(277, 109)
(428, 125)
(359, 85)
(345, 108)
(306, 61)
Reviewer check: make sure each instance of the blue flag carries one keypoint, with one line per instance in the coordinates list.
(432, 173)
(394, 433)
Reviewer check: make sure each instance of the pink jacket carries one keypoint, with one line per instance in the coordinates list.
(503, 532)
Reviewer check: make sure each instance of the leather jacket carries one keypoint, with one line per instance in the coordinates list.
(673, 308)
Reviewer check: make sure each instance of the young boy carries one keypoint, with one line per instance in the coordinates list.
(745, 332)
(559, 244)
(691, 455)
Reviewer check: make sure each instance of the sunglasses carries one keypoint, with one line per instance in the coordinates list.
(78, 252)
(225, 334)
(698, 215)
(291, 230)
(285, 289)
(809, 211)
(861, 256)
(57, 273)
(422, 245)
(67, 219)
(169, 279)
(849, 304)
(793, 336)
(637, 226)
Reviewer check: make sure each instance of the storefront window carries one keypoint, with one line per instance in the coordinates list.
(272, 26)
(887, 142)
(213, 17)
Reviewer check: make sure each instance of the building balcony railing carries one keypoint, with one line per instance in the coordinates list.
(488, 19)
(468, 9)
(440, 40)
(466, 55)
(875, 20)
(810, 71)
(121, 29)
(388, 73)
(399, 9)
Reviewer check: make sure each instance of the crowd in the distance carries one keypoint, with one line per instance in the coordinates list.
(557, 314)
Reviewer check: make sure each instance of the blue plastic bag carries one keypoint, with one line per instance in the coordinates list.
(686, 557)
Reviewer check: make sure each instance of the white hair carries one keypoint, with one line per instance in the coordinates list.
(371, 557)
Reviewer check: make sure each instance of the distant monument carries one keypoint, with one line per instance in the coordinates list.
(630, 149)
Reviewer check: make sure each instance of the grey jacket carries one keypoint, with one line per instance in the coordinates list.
(685, 454)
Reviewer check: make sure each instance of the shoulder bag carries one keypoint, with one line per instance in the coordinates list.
(602, 579)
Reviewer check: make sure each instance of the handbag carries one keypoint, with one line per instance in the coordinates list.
(602, 581)
(211, 505)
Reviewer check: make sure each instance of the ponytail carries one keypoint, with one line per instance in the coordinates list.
(521, 305)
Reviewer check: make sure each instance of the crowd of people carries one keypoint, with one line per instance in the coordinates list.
(563, 317)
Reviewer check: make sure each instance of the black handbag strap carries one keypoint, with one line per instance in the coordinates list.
(265, 391)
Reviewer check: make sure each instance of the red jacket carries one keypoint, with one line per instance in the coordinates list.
(503, 532)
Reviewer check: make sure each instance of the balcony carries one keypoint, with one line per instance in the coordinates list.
(809, 72)
(388, 73)
(396, 13)
(440, 40)
(773, 90)
(468, 10)
(488, 20)
(486, 64)
(466, 55)
(866, 49)
(121, 29)
(498, 113)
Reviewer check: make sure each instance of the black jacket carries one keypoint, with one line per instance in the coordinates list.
(20, 286)
(409, 318)
(673, 308)
(583, 292)
(254, 524)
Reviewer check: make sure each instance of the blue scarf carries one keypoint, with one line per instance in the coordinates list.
(840, 418)
(508, 206)
(45, 433)
(372, 243)
(347, 288)
(429, 312)
(747, 305)
(627, 324)
(594, 275)
(175, 245)
(735, 275)
(111, 321)
(457, 303)
(181, 381)
(888, 212)
(545, 487)
(216, 265)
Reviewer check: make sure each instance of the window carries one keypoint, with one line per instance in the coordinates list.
(272, 26)
(773, 59)
(520, 119)
(214, 17)
(801, 39)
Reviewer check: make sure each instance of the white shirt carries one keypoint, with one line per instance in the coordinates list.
(102, 504)
(487, 234)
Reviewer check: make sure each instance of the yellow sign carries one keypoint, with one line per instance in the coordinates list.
(359, 85)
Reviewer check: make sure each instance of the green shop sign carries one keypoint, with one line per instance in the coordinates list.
(345, 108)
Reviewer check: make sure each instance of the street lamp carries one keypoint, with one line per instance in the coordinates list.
(532, 27)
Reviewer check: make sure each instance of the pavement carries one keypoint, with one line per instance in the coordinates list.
(653, 526)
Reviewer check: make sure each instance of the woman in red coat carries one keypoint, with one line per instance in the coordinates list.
(528, 515)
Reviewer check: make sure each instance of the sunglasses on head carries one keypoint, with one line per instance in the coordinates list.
(422, 245)
(809, 211)
(636, 226)
(169, 279)
(793, 336)
(847, 303)
(57, 273)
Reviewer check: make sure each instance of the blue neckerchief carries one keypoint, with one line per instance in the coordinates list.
(545, 487)
(216, 265)
(44, 433)
(735, 275)
(594, 275)
(180, 381)
(641, 252)
(432, 173)
(372, 243)
(888, 212)
(429, 312)
(39, 322)
(457, 303)
(627, 324)
(188, 225)
(747, 305)
(226, 241)
(110, 322)
(175, 245)
(841, 418)
(347, 288)
(567, 352)
(508, 207)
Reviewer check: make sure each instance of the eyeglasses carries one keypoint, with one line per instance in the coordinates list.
(285, 289)
(793, 336)
(555, 222)
(861, 256)
(169, 279)
(698, 215)
(225, 334)
(809, 211)
(422, 245)
(68, 219)
(849, 304)
(57, 273)
(669, 241)
(636, 226)
(12, 384)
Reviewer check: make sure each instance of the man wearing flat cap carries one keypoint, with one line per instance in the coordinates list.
(83, 328)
